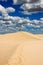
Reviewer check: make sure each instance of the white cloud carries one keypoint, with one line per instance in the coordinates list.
(41, 1)
(22, 22)
(26, 6)
(6, 18)
(10, 9)
(14, 1)
(3, 11)
(25, 1)
(36, 22)
(41, 19)
(16, 23)
(30, 5)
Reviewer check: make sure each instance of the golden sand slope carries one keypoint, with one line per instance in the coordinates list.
(40, 36)
(21, 49)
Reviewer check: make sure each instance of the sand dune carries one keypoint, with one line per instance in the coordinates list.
(21, 48)
(40, 36)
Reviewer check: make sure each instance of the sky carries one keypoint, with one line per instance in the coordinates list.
(9, 3)
(21, 15)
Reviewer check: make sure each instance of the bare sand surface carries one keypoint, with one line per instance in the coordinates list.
(21, 48)
(40, 36)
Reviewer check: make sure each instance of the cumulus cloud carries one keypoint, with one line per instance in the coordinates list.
(26, 6)
(30, 6)
(14, 1)
(24, 1)
(14, 23)
(10, 9)
(5, 11)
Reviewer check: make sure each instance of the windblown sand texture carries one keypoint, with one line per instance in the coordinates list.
(21, 48)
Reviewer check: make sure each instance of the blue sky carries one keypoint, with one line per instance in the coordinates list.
(9, 3)
(24, 22)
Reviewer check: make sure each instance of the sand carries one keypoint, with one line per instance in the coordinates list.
(21, 48)
(40, 36)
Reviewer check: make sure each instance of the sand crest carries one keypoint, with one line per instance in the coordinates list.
(21, 48)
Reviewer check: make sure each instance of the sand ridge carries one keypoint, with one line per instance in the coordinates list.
(10, 43)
